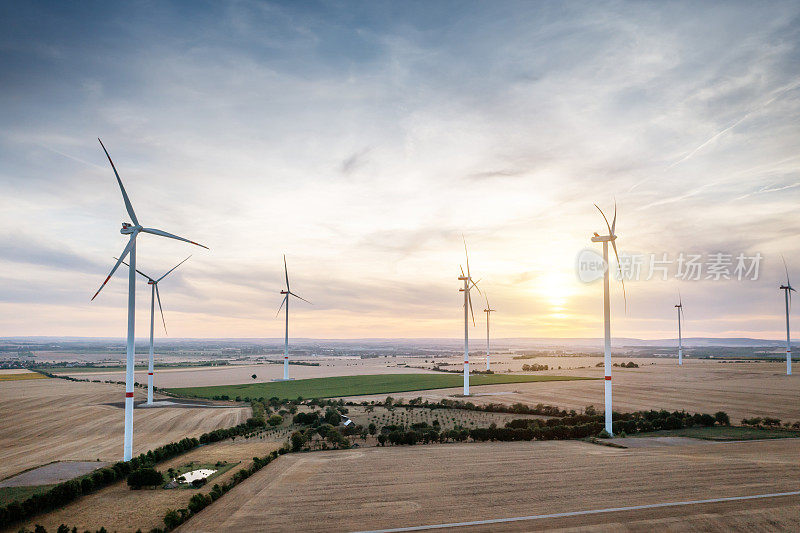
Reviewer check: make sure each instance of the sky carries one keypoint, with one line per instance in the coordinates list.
(363, 139)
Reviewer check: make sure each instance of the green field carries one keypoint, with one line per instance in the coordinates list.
(335, 387)
(723, 433)
(18, 494)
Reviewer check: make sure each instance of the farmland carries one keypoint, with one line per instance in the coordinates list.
(46, 420)
(743, 390)
(411, 486)
(358, 385)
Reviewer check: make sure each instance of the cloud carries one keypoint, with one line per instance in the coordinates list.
(363, 142)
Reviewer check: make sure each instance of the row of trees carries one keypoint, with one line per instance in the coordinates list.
(535, 367)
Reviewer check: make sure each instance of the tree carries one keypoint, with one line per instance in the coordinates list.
(297, 441)
(172, 519)
(275, 420)
(382, 439)
(254, 376)
(145, 477)
(722, 418)
(373, 428)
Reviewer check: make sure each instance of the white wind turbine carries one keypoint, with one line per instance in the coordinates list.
(605, 239)
(680, 338)
(130, 249)
(468, 285)
(787, 290)
(488, 312)
(153, 296)
(288, 292)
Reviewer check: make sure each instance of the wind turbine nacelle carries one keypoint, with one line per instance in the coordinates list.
(604, 238)
(284, 292)
(127, 229)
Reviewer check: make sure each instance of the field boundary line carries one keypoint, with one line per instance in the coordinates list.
(583, 513)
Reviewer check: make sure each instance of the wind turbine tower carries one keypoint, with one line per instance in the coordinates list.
(488, 312)
(133, 231)
(605, 239)
(680, 338)
(154, 294)
(468, 285)
(286, 293)
(787, 292)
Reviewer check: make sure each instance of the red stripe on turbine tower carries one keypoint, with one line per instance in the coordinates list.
(149, 373)
(129, 395)
(608, 378)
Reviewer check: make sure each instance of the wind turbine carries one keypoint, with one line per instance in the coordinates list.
(133, 230)
(468, 285)
(680, 339)
(488, 312)
(153, 295)
(787, 290)
(288, 292)
(605, 239)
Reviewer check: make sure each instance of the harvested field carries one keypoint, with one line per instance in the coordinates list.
(22, 376)
(380, 488)
(743, 390)
(52, 473)
(58, 420)
(118, 508)
(354, 385)
(237, 374)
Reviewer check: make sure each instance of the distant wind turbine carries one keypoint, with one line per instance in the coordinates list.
(468, 285)
(787, 290)
(153, 296)
(288, 292)
(488, 312)
(130, 249)
(680, 339)
(605, 239)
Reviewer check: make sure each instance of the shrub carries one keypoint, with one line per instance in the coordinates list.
(275, 420)
(722, 418)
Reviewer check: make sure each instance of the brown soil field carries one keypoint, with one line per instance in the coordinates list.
(743, 390)
(236, 374)
(4, 371)
(380, 488)
(118, 508)
(47, 420)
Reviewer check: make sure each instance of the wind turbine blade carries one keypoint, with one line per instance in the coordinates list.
(286, 271)
(787, 271)
(122, 256)
(475, 284)
(471, 312)
(281, 307)
(621, 278)
(466, 253)
(614, 222)
(680, 300)
(171, 269)
(128, 205)
(171, 236)
(610, 232)
(462, 270)
(158, 296)
(296, 296)
(137, 270)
